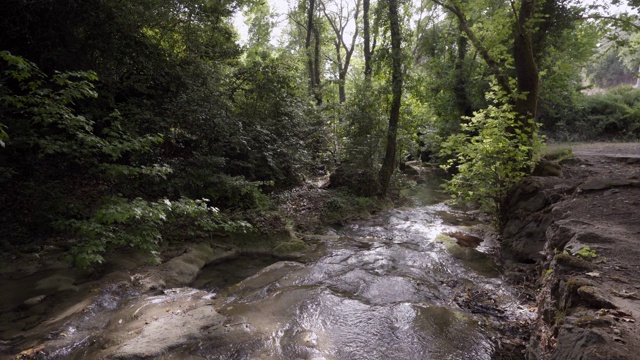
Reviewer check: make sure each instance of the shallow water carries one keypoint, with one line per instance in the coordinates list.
(389, 287)
(376, 290)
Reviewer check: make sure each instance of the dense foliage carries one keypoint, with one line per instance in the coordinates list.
(612, 115)
(133, 106)
(491, 154)
(132, 123)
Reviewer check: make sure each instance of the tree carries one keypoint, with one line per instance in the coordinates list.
(313, 54)
(389, 162)
(369, 47)
(260, 23)
(339, 18)
(525, 95)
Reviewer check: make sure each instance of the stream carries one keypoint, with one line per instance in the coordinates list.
(389, 287)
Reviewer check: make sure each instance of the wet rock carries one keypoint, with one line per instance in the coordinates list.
(410, 168)
(57, 282)
(525, 238)
(465, 240)
(183, 269)
(169, 331)
(577, 343)
(34, 300)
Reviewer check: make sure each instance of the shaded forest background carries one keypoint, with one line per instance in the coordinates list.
(133, 123)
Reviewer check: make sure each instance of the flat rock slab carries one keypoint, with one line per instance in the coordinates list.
(154, 324)
(606, 183)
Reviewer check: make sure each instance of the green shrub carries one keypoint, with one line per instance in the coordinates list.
(609, 116)
(491, 154)
(342, 206)
(143, 225)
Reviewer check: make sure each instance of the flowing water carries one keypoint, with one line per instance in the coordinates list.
(388, 287)
(382, 288)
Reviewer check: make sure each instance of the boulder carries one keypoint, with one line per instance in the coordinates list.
(529, 214)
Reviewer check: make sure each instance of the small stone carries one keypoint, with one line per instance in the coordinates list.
(210, 296)
(34, 300)
(616, 331)
(618, 339)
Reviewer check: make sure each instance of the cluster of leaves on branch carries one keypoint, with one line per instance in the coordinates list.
(490, 155)
(122, 223)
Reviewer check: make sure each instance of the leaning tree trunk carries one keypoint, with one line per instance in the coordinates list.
(389, 163)
(528, 79)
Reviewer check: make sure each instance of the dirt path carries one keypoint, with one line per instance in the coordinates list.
(614, 150)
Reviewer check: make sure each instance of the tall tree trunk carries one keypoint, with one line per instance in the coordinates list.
(528, 79)
(389, 163)
(525, 64)
(342, 94)
(339, 24)
(460, 86)
(494, 66)
(307, 44)
(313, 55)
(316, 68)
(367, 39)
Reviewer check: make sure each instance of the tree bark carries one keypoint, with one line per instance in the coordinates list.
(367, 39)
(316, 68)
(313, 55)
(460, 86)
(526, 69)
(389, 163)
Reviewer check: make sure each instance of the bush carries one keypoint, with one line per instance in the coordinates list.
(143, 225)
(614, 115)
(490, 155)
(343, 205)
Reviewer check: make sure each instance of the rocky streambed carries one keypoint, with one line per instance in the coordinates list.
(393, 286)
(575, 239)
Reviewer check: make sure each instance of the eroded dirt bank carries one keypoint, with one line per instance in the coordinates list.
(576, 237)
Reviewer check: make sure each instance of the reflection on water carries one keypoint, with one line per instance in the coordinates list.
(377, 290)
(215, 277)
(389, 287)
